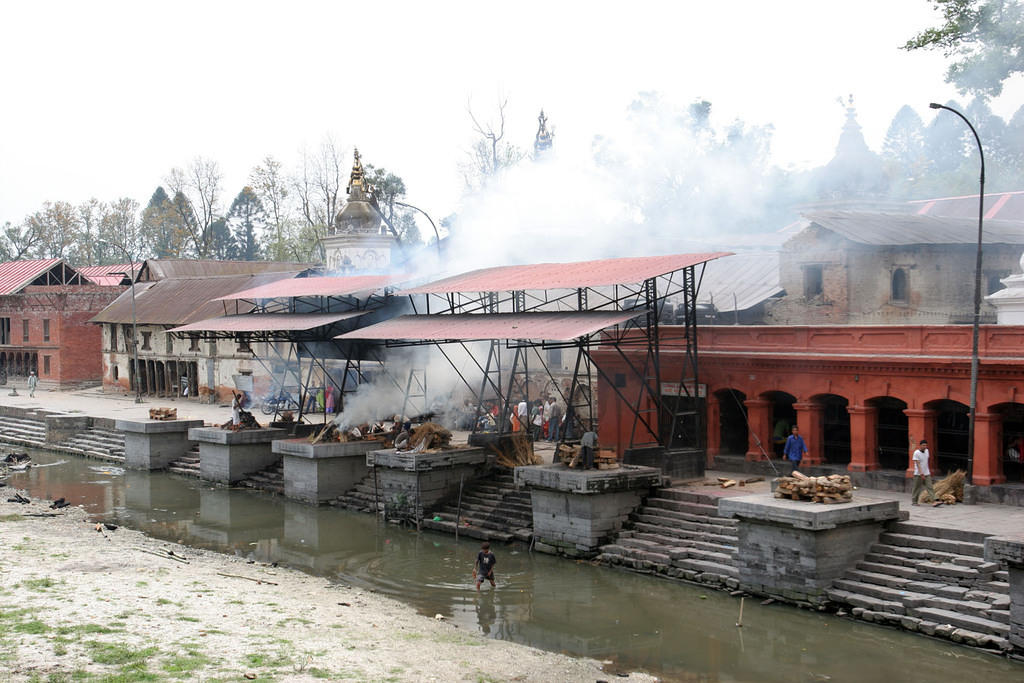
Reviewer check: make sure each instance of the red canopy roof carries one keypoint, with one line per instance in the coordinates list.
(553, 326)
(600, 273)
(267, 322)
(14, 275)
(318, 286)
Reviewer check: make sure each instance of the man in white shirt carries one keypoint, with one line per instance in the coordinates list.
(922, 474)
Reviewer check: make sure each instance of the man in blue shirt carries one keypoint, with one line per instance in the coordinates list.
(795, 449)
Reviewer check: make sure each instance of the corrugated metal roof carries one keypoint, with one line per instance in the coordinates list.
(267, 322)
(600, 273)
(740, 281)
(319, 286)
(553, 326)
(893, 229)
(179, 301)
(101, 275)
(15, 275)
(998, 206)
(161, 269)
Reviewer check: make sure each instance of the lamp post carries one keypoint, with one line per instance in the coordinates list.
(977, 297)
(437, 235)
(135, 325)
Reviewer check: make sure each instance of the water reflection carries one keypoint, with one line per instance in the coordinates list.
(676, 631)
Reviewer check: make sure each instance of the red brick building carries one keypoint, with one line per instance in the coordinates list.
(858, 393)
(45, 308)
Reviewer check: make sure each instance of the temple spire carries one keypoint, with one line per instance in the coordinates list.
(357, 180)
(544, 137)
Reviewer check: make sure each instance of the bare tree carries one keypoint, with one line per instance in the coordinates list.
(19, 241)
(490, 153)
(196, 191)
(90, 212)
(58, 227)
(318, 185)
(271, 186)
(121, 225)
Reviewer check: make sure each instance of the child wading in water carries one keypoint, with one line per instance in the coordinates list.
(484, 567)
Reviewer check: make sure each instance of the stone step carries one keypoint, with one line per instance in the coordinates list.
(999, 587)
(970, 607)
(941, 545)
(724, 522)
(685, 495)
(685, 534)
(684, 525)
(490, 508)
(184, 471)
(938, 589)
(673, 543)
(909, 556)
(682, 506)
(470, 531)
(869, 564)
(855, 599)
(880, 592)
(655, 558)
(979, 624)
(945, 533)
(955, 573)
(707, 567)
(503, 524)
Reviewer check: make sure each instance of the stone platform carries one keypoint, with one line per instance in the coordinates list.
(577, 511)
(316, 473)
(227, 457)
(410, 483)
(154, 444)
(1010, 550)
(794, 550)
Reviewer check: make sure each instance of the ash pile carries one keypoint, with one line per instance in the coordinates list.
(246, 420)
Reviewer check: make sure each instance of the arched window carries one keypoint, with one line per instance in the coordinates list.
(898, 290)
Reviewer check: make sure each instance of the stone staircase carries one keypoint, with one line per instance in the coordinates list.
(269, 479)
(677, 534)
(492, 509)
(930, 580)
(101, 444)
(187, 465)
(360, 498)
(23, 431)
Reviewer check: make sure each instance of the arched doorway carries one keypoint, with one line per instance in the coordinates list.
(733, 433)
(951, 428)
(1012, 428)
(836, 434)
(891, 432)
(783, 417)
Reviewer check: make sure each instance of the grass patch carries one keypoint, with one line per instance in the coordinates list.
(263, 659)
(38, 585)
(12, 518)
(142, 584)
(297, 620)
(33, 626)
(116, 653)
(164, 601)
(236, 602)
(185, 617)
(184, 664)
(81, 629)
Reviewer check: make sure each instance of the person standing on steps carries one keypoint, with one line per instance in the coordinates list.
(33, 382)
(922, 473)
(795, 448)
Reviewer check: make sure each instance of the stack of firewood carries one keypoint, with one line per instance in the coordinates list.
(572, 456)
(835, 488)
(246, 420)
(163, 413)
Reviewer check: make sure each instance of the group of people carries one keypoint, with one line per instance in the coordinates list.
(544, 418)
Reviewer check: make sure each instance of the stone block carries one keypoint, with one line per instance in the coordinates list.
(154, 444)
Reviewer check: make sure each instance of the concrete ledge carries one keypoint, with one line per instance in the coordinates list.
(1009, 549)
(424, 462)
(302, 448)
(804, 514)
(561, 478)
(230, 438)
(156, 426)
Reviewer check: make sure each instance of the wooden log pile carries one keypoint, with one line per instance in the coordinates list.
(246, 420)
(515, 451)
(835, 488)
(430, 436)
(572, 456)
(163, 413)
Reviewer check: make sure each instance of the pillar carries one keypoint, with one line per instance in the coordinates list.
(714, 429)
(863, 438)
(920, 425)
(810, 418)
(759, 436)
(988, 440)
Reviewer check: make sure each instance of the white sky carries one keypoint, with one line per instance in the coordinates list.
(104, 98)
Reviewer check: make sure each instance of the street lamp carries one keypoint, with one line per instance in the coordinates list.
(977, 297)
(135, 325)
(437, 235)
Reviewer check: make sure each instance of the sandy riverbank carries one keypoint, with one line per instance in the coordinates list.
(80, 604)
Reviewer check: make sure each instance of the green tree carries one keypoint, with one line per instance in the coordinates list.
(387, 191)
(160, 230)
(222, 245)
(246, 220)
(985, 38)
(19, 241)
(120, 224)
(59, 227)
(903, 152)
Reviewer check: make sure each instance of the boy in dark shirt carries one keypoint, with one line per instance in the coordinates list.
(484, 567)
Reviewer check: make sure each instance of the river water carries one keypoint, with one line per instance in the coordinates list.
(673, 630)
